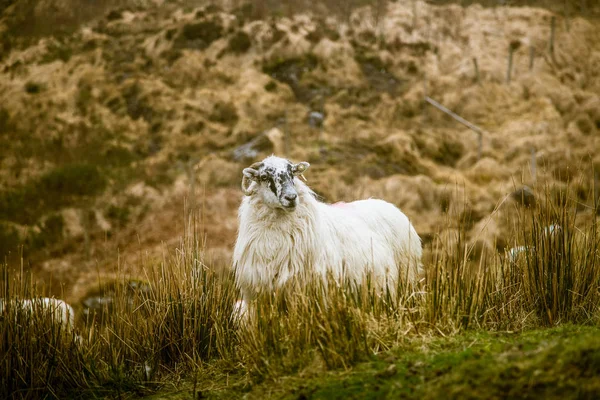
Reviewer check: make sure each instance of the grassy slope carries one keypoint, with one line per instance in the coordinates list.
(562, 362)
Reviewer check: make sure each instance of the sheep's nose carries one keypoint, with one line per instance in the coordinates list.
(291, 196)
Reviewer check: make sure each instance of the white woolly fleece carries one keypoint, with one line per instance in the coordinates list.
(349, 240)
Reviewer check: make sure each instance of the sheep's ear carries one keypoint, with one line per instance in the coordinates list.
(250, 173)
(299, 168)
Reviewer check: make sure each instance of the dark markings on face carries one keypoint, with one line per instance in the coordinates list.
(267, 176)
(272, 185)
(276, 179)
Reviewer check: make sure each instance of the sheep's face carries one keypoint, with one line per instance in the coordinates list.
(273, 180)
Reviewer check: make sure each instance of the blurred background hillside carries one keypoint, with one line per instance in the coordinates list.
(119, 119)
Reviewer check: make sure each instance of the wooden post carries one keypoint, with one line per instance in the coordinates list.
(477, 79)
(567, 25)
(414, 10)
(425, 94)
(512, 47)
(531, 57)
(552, 31)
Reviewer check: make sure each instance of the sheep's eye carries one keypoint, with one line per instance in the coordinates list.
(263, 177)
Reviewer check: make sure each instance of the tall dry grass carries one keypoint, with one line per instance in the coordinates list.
(186, 320)
(183, 321)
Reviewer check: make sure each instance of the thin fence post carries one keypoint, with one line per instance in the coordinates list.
(476, 66)
(514, 45)
(552, 31)
(531, 57)
(567, 25)
(414, 10)
(425, 94)
(510, 58)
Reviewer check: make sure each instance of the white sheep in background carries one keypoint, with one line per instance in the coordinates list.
(286, 233)
(513, 254)
(60, 312)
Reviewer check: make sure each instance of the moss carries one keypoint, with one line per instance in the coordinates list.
(239, 43)
(114, 15)
(6, 124)
(50, 233)
(33, 87)
(170, 33)
(360, 96)
(224, 112)
(119, 216)
(57, 51)
(9, 239)
(292, 71)
(199, 35)
(374, 160)
(137, 104)
(171, 55)
(73, 180)
(118, 156)
(444, 152)
(193, 128)
(322, 31)
(368, 36)
(84, 97)
(288, 70)
(115, 104)
(60, 187)
(585, 124)
(377, 74)
(271, 86)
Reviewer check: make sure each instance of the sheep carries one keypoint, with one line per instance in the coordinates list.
(285, 233)
(513, 254)
(60, 312)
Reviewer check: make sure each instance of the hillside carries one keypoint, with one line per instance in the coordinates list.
(114, 130)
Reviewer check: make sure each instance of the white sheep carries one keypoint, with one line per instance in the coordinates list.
(286, 233)
(60, 313)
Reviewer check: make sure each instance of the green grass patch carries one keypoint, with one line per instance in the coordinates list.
(551, 363)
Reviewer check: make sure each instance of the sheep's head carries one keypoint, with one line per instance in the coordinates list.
(273, 180)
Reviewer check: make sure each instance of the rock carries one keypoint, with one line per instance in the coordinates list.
(315, 119)
(270, 141)
(99, 301)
